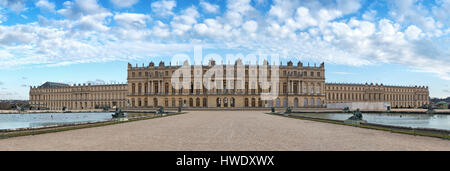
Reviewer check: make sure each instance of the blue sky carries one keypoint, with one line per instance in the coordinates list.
(398, 42)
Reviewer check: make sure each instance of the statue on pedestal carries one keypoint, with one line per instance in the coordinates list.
(118, 114)
(357, 115)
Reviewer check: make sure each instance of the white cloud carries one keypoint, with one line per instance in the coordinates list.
(161, 30)
(413, 32)
(250, 26)
(413, 12)
(369, 15)
(15, 5)
(3, 16)
(86, 15)
(124, 3)
(208, 7)
(311, 30)
(44, 4)
(348, 6)
(93, 22)
(131, 20)
(283, 9)
(79, 8)
(163, 7)
(184, 22)
(304, 18)
(237, 10)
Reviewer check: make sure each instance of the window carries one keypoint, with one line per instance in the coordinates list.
(218, 101)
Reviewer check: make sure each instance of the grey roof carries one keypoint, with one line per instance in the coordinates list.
(53, 85)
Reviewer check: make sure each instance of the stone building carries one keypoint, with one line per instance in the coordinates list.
(56, 96)
(240, 87)
(299, 86)
(397, 96)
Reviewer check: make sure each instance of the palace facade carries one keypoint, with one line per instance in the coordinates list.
(153, 86)
(56, 96)
(397, 96)
(298, 86)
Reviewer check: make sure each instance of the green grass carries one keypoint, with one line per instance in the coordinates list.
(393, 130)
(74, 127)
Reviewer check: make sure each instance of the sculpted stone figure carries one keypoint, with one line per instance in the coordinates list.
(357, 115)
(118, 114)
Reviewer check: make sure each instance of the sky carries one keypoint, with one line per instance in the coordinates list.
(394, 42)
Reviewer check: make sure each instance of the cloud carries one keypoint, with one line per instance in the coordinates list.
(96, 82)
(15, 5)
(414, 12)
(339, 32)
(3, 16)
(237, 11)
(131, 20)
(44, 4)
(1, 83)
(184, 22)
(124, 3)
(250, 26)
(210, 8)
(343, 73)
(163, 7)
(79, 8)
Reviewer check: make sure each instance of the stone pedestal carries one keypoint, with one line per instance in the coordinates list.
(355, 122)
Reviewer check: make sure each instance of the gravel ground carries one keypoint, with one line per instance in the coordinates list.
(232, 130)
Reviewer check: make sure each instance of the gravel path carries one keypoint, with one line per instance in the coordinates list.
(232, 130)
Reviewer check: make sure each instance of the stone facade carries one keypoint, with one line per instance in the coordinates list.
(152, 86)
(299, 86)
(398, 96)
(56, 96)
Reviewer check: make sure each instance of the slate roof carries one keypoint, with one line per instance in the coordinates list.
(53, 85)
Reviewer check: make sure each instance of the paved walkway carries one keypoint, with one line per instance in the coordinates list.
(232, 130)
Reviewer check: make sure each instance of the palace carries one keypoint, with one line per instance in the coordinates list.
(397, 96)
(153, 86)
(56, 96)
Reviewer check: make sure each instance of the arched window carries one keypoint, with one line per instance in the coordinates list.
(166, 88)
(246, 102)
(205, 102)
(225, 102)
(197, 102)
(232, 102)
(253, 102)
(191, 102)
(139, 88)
(219, 102)
(155, 102)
